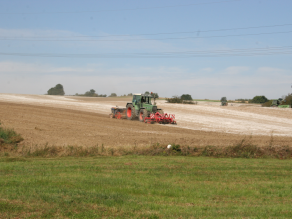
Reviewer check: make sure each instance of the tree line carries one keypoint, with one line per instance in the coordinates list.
(59, 90)
(185, 98)
(91, 93)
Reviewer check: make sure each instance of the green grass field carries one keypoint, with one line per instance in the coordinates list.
(145, 187)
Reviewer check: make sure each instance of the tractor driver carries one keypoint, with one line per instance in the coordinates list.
(136, 99)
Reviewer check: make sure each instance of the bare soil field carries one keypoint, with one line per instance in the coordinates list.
(84, 121)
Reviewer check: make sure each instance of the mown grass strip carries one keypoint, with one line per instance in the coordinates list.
(145, 186)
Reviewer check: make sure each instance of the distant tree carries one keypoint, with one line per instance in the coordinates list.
(146, 93)
(174, 99)
(284, 97)
(259, 99)
(130, 94)
(155, 95)
(267, 104)
(57, 90)
(178, 99)
(113, 95)
(288, 100)
(223, 99)
(91, 93)
(186, 97)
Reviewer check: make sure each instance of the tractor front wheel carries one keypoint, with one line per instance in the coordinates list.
(142, 115)
(130, 112)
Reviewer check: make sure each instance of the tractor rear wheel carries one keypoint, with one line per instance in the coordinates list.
(142, 115)
(130, 112)
(160, 111)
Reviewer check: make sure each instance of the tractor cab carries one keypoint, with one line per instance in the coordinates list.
(146, 99)
(276, 103)
(140, 100)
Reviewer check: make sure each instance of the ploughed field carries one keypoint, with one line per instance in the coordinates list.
(84, 121)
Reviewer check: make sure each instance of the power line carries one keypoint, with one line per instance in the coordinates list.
(284, 50)
(189, 56)
(171, 38)
(126, 9)
(151, 34)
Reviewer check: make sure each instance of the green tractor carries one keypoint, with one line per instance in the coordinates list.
(279, 103)
(141, 107)
(276, 102)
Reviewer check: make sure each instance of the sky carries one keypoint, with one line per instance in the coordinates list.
(206, 48)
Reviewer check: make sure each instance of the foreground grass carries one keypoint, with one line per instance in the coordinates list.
(145, 187)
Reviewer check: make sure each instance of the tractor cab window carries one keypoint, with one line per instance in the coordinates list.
(146, 100)
(137, 99)
(149, 100)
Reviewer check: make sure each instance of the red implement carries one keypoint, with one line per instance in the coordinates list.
(160, 118)
(118, 115)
